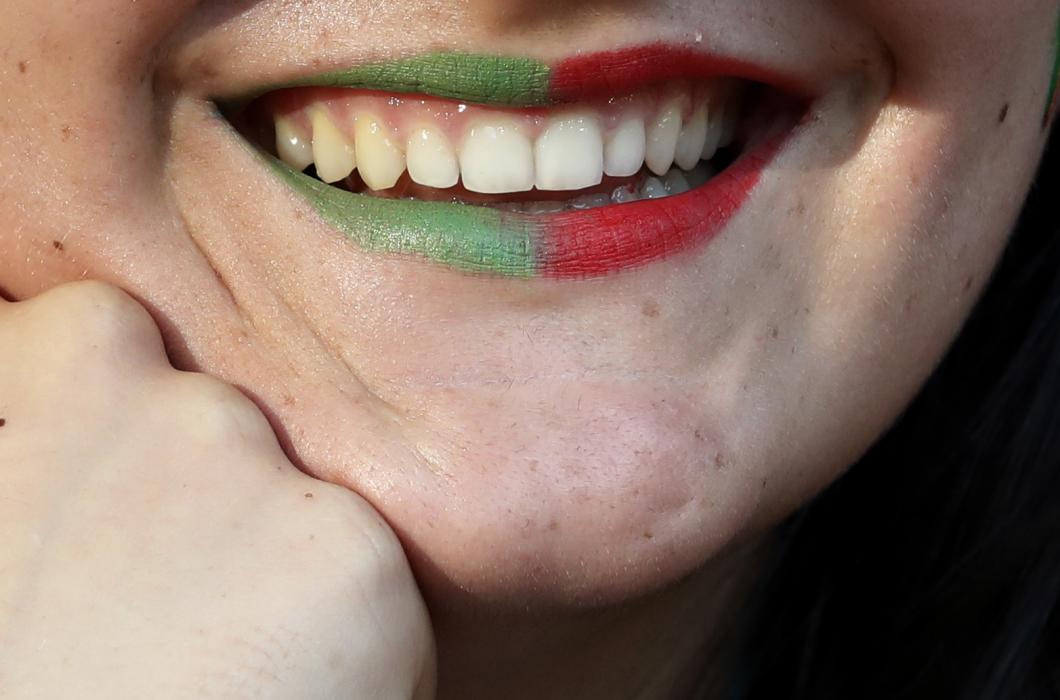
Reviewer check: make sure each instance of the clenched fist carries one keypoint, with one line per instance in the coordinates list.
(155, 541)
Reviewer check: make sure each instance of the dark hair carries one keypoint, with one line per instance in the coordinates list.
(932, 569)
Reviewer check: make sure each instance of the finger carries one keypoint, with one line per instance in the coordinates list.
(100, 316)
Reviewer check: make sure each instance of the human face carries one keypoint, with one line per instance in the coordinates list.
(535, 438)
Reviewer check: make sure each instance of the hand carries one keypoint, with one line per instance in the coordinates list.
(155, 541)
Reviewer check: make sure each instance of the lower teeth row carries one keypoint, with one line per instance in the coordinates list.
(675, 182)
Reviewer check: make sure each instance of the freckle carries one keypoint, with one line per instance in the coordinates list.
(720, 461)
(649, 536)
(23, 66)
(650, 309)
(698, 435)
(58, 245)
(312, 537)
(553, 525)
(65, 132)
(1003, 115)
(309, 494)
(774, 332)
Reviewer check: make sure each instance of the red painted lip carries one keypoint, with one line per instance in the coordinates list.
(583, 244)
(625, 70)
(611, 239)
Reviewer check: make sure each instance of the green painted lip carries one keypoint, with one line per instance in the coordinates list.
(465, 237)
(499, 80)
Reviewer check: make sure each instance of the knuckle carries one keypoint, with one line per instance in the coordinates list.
(218, 412)
(86, 333)
(360, 528)
(97, 314)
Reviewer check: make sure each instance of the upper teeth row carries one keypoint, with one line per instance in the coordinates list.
(495, 151)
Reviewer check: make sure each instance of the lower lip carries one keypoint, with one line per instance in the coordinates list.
(568, 245)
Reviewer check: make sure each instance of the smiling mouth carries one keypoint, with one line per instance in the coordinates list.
(511, 167)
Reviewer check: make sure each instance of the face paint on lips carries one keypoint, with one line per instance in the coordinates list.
(513, 81)
(562, 245)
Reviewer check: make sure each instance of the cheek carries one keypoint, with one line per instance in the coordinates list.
(953, 52)
(82, 140)
(909, 227)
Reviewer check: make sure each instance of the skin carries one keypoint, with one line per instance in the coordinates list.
(162, 563)
(575, 469)
(1054, 79)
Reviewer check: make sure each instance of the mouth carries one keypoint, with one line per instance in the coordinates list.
(509, 166)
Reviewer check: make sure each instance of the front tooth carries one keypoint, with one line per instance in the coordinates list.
(379, 160)
(292, 146)
(431, 160)
(692, 139)
(624, 152)
(332, 151)
(569, 154)
(496, 157)
(662, 138)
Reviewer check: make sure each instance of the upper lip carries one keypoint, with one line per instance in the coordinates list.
(528, 82)
(212, 63)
